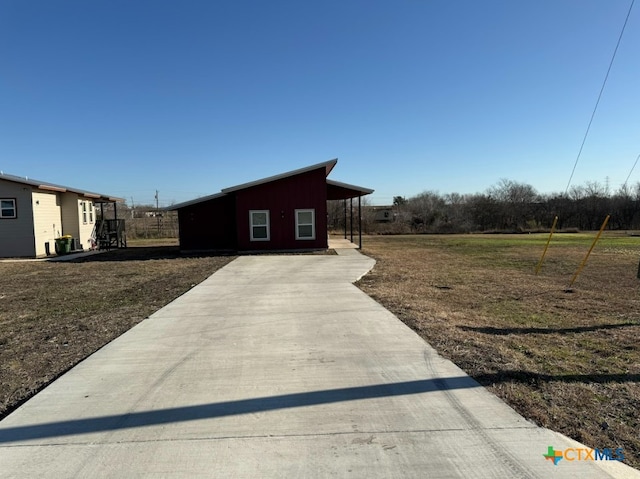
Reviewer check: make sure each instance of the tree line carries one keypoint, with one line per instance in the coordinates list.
(508, 206)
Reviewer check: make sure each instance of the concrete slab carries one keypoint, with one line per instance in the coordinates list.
(53, 259)
(277, 366)
(341, 243)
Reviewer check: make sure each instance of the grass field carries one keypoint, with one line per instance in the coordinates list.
(55, 314)
(567, 360)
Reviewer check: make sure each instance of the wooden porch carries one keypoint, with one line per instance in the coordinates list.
(111, 234)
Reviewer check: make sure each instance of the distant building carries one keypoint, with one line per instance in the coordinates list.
(34, 213)
(382, 214)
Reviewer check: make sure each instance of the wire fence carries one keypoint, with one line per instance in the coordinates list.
(165, 226)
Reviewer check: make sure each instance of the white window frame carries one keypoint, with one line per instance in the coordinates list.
(312, 224)
(251, 225)
(90, 211)
(84, 212)
(14, 208)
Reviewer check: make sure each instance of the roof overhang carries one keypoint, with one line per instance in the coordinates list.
(342, 191)
(58, 189)
(107, 199)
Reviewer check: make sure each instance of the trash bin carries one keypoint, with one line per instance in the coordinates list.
(63, 244)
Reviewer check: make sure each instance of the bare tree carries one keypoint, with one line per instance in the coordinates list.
(426, 210)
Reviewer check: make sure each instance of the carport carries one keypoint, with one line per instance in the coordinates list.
(343, 191)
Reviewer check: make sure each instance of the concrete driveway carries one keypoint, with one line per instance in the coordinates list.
(277, 366)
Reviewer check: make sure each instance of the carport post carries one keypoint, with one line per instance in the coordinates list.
(351, 219)
(115, 221)
(359, 222)
(344, 201)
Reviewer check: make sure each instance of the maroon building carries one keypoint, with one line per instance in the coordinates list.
(282, 212)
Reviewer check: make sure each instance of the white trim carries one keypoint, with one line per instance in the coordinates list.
(312, 224)
(267, 226)
(15, 210)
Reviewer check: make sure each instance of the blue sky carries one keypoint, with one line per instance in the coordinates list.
(188, 97)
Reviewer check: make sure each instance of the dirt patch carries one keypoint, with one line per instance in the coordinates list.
(54, 315)
(569, 361)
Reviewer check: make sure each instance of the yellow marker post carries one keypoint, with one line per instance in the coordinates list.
(584, 261)
(553, 228)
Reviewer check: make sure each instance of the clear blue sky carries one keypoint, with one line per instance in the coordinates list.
(187, 97)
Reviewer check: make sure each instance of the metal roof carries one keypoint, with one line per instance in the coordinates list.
(46, 186)
(195, 201)
(328, 165)
(342, 190)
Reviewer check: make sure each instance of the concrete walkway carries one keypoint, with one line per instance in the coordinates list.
(277, 366)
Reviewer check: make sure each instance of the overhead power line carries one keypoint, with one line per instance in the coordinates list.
(595, 108)
(632, 168)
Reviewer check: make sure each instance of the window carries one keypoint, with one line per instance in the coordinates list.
(8, 208)
(259, 225)
(84, 211)
(305, 224)
(90, 212)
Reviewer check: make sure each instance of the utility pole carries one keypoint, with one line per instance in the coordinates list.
(158, 213)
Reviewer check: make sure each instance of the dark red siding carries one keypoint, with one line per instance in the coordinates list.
(209, 225)
(282, 197)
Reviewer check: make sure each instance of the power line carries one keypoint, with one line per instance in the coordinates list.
(632, 168)
(593, 114)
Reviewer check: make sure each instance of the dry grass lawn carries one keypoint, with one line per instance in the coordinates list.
(569, 361)
(53, 315)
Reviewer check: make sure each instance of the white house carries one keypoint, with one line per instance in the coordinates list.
(34, 213)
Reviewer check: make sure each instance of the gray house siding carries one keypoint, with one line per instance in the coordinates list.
(17, 234)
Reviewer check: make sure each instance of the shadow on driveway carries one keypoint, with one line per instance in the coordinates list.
(229, 408)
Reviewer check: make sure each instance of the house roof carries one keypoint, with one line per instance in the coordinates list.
(195, 201)
(46, 186)
(335, 189)
(328, 165)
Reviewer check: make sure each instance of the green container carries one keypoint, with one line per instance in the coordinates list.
(63, 245)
